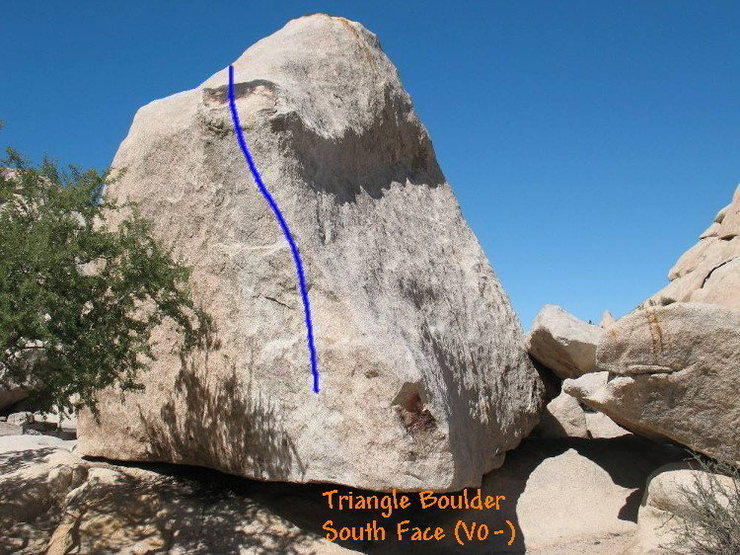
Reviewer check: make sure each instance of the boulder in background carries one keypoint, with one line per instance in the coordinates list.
(563, 343)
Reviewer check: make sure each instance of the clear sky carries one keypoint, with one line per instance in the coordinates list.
(589, 142)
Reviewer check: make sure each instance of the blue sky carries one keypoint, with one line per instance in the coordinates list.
(589, 142)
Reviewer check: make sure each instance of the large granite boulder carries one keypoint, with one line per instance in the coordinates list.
(563, 343)
(709, 272)
(424, 380)
(676, 375)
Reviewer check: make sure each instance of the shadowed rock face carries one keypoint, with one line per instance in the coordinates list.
(424, 382)
(54, 502)
(666, 504)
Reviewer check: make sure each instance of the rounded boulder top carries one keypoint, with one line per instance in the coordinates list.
(332, 72)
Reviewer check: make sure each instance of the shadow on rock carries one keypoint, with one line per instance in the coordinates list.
(221, 423)
(556, 491)
(160, 513)
(32, 490)
(395, 149)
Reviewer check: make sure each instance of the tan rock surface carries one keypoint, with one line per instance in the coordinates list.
(722, 286)
(10, 429)
(139, 511)
(585, 385)
(562, 417)
(51, 501)
(677, 376)
(600, 426)
(709, 271)
(36, 473)
(561, 496)
(563, 343)
(424, 380)
(607, 319)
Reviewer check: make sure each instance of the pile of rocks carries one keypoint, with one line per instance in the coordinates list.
(709, 272)
(667, 371)
(567, 347)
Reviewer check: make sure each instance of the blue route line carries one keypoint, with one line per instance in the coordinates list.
(283, 225)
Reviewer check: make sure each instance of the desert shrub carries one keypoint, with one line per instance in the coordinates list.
(708, 520)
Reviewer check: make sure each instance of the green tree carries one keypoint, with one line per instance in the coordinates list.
(78, 297)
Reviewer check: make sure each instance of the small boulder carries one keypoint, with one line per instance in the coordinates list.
(10, 429)
(20, 418)
(563, 343)
(567, 495)
(600, 426)
(562, 417)
(585, 385)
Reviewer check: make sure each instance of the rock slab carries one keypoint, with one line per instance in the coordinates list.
(562, 417)
(677, 372)
(424, 381)
(560, 493)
